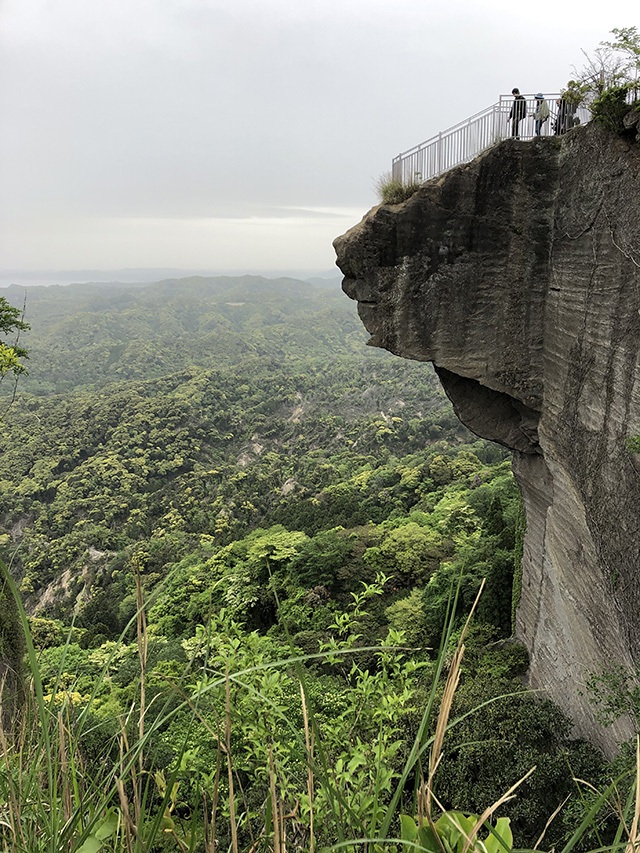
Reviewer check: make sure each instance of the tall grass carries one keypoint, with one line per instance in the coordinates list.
(53, 799)
(392, 190)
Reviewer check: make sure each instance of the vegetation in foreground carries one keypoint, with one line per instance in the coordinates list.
(238, 576)
(344, 749)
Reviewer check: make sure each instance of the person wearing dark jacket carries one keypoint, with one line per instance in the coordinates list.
(518, 112)
(566, 118)
(561, 117)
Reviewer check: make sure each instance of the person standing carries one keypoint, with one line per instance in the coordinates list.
(518, 112)
(561, 118)
(541, 113)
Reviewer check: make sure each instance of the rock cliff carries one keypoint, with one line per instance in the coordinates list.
(518, 276)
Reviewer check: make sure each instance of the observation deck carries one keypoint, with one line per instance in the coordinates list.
(464, 141)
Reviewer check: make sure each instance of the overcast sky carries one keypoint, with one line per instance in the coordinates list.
(244, 134)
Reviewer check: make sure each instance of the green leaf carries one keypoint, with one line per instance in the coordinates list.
(91, 845)
(408, 828)
(503, 830)
(108, 826)
(428, 840)
(105, 830)
(167, 823)
(268, 818)
(452, 827)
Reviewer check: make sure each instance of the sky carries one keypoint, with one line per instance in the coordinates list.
(244, 135)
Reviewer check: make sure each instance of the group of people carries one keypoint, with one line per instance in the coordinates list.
(564, 119)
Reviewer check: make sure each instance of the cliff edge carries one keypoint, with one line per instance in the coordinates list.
(518, 276)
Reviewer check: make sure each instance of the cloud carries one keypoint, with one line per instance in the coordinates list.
(304, 240)
(182, 110)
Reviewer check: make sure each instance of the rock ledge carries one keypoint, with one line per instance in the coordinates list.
(518, 276)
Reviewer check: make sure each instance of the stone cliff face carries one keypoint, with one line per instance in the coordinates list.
(518, 276)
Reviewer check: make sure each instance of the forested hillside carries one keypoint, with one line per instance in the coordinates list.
(277, 415)
(87, 336)
(230, 452)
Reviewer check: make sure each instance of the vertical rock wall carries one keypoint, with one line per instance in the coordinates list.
(518, 276)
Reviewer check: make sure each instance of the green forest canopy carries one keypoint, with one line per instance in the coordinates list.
(233, 445)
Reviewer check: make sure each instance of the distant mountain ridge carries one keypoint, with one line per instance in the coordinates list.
(87, 335)
(141, 277)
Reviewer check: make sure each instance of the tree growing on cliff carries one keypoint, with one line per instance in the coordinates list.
(612, 64)
(626, 48)
(610, 80)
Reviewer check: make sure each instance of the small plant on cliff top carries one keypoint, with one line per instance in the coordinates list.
(612, 106)
(392, 190)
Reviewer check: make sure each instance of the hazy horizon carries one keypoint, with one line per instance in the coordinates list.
(148, 275)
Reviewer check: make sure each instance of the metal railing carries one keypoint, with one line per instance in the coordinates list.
(464, 141)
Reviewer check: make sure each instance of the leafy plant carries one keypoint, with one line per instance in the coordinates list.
(455, 832)
(611, 106)
(11, 322)
(615, 690)
(609, 82)
(633, 443)
(612, 64)
(627, 45)
(277, 689)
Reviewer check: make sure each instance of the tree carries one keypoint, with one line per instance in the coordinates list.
(11, 321)
(319, 560)
(12, 647)
(11, 638)
(613, 65)
(627, 43)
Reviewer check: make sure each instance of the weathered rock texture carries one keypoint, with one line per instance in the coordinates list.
(518, 276)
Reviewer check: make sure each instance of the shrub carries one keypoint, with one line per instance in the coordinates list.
(610, 108)
(493, 747)
(394, 191)
(407, 614)
(319, 560)
(633, 443)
